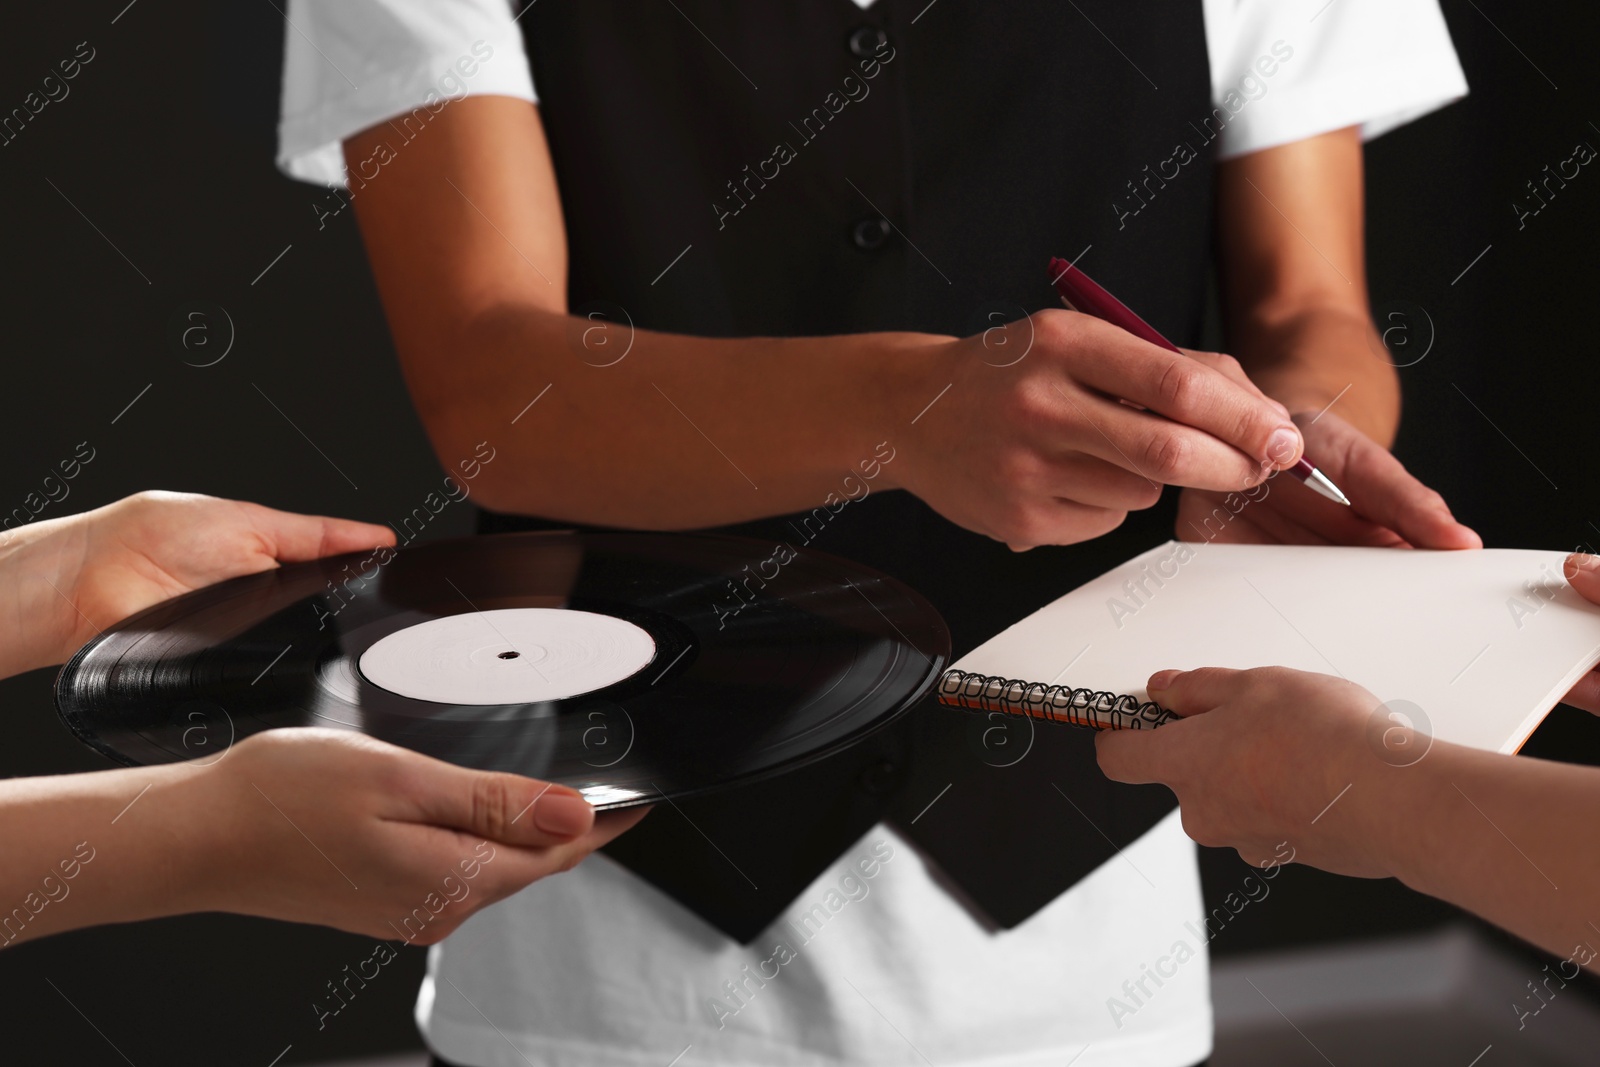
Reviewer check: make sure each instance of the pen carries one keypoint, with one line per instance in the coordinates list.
(1080, 293)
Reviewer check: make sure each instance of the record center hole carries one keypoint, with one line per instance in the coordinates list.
(509, 655)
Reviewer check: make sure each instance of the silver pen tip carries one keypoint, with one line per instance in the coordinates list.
(1322, 484)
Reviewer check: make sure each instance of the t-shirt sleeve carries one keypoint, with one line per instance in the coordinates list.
(351, 64)
(1284, 70)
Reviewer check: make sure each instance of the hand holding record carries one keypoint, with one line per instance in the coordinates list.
(405, 846)
(313, 826)
(71, 578)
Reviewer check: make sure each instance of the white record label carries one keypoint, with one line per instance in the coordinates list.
(508, 656)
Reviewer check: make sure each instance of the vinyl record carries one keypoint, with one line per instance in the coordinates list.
(633, 667)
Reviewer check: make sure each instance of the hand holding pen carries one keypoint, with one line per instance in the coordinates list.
(1082, 294)
(1051, 428)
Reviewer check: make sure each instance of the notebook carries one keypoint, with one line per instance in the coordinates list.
(1484, 643)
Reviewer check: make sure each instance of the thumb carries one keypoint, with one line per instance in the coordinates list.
(1193, 692)
(507, 808)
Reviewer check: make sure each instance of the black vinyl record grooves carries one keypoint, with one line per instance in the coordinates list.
(763, 658)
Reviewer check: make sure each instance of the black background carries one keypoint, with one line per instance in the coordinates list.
(165, 146)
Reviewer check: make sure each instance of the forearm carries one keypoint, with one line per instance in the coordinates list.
(86, 849)
(464, 231)
(34, 609)
(1315, 355)
(1507, 838)
(1294, 286)
(678, 432)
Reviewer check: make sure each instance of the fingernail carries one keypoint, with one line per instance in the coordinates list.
(1581, 561)
(1283, 445)
(564, 814)
(1162, 680)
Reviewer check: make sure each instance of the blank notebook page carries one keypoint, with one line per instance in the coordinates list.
(1484, 642)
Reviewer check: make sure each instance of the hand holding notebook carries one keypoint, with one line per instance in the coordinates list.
(1276, 762)
(1484, 642)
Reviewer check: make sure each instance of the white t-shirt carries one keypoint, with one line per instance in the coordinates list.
(597, 966)
(350, 64)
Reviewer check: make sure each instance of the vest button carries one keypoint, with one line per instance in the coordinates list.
(881, 778)
(870, 233)
(867, 41)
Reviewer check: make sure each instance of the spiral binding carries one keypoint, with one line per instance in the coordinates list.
(1053, 703)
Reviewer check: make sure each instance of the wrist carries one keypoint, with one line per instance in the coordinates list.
(1318, 358)
(1413, 806)
(909, 373)
(192, 830)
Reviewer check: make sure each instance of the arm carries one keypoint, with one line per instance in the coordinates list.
(1441, 841)
(1290, 235)
(463, 229)
(1264, 761)
(311, 826)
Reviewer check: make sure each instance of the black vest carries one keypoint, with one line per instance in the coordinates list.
(913, 166)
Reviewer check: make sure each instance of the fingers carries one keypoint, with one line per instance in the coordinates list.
(519, 867)
(1231, 367)
(610, 825)
(1260, 520)
(296, 538)
(1050, 521)
(1586, 694)
(1142, 757)
(1139, 757)
(1186, 390)
(531, 864)
(1088, 479)
(506, 808)
(1583, 573)
(1161, 450)
(1384, 493)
